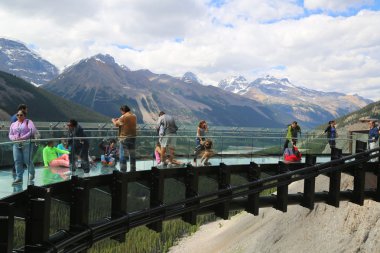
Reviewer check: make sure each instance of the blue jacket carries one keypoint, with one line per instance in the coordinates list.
(373, 134)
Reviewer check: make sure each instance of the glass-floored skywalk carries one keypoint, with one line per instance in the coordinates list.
(231, 146)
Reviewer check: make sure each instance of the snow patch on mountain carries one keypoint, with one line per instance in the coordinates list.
(190, 77)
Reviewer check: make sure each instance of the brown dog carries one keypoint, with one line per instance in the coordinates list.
(207, 152)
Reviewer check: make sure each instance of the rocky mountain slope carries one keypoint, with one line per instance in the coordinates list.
(349, 228)
(103, 85)
(43, 106)
(17, 59)
(310, 107)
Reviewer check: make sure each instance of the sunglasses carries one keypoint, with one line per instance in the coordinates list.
(19, 115)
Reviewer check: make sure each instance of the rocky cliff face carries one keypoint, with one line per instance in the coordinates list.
(17, 59)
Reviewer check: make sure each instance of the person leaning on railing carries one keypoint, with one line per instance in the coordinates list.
(79, 147)
(127, 124)
(200, 139)
(373, 137)
(167, 131)
(292, 133)
(331, 133)
(22, 130)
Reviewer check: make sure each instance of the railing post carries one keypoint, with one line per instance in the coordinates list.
(156, 195)
(253, 204)
(119, 193)
(224, 181)
(309, 184)
(7, 221)
(335, 177)
(37, 218)
(79, 206)
(191, 184)
(282, 190)
(359, 176)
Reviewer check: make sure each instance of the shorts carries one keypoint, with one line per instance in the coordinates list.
(168, 140)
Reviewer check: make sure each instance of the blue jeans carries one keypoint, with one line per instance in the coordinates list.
(127, 146)
(23, 155)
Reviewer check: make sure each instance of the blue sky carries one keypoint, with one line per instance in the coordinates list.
(330, 45)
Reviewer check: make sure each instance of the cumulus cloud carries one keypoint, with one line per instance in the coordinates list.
(212, 39)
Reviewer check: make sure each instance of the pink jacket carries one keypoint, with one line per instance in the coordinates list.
(22, 131)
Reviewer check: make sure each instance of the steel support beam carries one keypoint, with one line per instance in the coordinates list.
(119, 193)
(7, 221)
(335, 178)
(309, 185)
(37, 219)
(156, 195)
(80, 206)
(282, 190)
(224, 182)
(191, 184)
(253, 174)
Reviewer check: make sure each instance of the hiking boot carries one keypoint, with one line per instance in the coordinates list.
(17, 181)
(31, 177)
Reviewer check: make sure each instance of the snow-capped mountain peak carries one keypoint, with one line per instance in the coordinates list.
(235, 84)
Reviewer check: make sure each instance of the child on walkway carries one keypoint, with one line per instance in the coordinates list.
(292, 154)
(50, 156)
(110, 152)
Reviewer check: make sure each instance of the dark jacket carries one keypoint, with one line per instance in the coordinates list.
(77, 144)
(331, 132)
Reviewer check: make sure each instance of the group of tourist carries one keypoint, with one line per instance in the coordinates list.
(76, 148)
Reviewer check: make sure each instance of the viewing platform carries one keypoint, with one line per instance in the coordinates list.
(106, 203)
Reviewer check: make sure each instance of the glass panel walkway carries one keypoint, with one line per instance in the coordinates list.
(231, 146)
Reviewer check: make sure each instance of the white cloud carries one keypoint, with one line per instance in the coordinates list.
(336, 5)
(247, 37)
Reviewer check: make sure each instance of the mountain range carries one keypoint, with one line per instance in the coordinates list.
(102, 85)
(291, 102)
